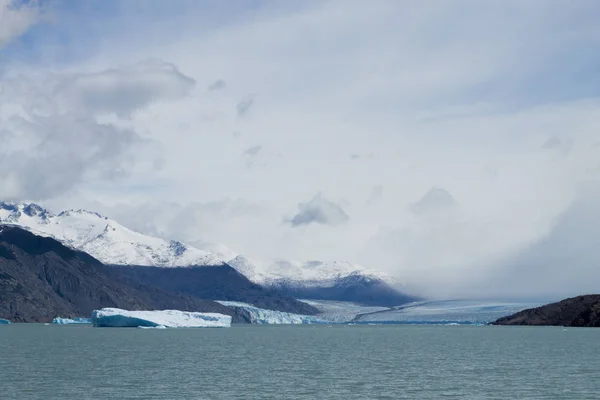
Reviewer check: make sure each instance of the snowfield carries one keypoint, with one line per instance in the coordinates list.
(117, 318)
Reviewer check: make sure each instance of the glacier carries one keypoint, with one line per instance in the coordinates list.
(117, 318)
(341, 311)
(71, 321)
(447, 312)
(263, 316)
(4, 321)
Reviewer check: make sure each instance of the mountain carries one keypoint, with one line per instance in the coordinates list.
(580, 311)
(116, 245)
(103, 238)
(316, 280)
(40, 279)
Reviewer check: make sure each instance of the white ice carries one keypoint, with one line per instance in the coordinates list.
(263, 316)
(446, 312)
(69, 321)
(114, 317)
(341, 311)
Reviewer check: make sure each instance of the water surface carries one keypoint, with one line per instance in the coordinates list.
(299, 362)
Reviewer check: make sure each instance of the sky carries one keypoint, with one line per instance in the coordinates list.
(451, 144)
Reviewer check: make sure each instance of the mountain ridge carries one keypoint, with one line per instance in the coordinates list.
(116, 245)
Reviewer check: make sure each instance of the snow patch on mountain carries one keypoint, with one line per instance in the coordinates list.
(105, 239)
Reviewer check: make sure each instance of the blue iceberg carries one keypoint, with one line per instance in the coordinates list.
(117, 318)
(4, 321)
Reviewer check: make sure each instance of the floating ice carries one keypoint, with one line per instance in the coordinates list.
(114, 317)
(69, 321)
(4, 321)
(262, 316)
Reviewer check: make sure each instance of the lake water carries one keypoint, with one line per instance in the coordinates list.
(299, 362)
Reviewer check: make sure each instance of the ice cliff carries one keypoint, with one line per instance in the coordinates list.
(262, 316)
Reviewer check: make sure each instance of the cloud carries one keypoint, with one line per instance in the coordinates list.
(243, 107)
(320, 211)
(56, 139)
(252, 151)
(552, 143)
(15, 19)
(123, 90)
(65, 150)
(217, 85)
(376, 195)
(564, 262)
(436, 199)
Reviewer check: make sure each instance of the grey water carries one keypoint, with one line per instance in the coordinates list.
(299, 362)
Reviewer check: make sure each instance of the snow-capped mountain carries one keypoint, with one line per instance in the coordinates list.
(103, 238)
(336, 280)
(307, 273)
(114, 244)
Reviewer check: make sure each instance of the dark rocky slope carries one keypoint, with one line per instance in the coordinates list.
(580, 311)
(218, 283)
(354, 288)
(40, 279)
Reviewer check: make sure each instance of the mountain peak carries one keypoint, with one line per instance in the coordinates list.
(72, 212)
(103, 238)
(11, 212)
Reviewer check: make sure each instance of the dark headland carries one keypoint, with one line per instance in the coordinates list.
(580, 311)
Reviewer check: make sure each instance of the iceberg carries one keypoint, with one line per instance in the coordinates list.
(263, 316)
(4, 321)
(69, 321)
(114, 317)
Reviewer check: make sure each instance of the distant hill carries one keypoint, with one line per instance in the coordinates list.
(580, 311)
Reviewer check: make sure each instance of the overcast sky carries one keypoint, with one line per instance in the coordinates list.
(453, 144)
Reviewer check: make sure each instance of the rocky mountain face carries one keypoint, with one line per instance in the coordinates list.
(40, 279)
(580, 311)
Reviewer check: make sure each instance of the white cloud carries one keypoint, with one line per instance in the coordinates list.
(123, 90)
(15, 19)
(319, 210)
